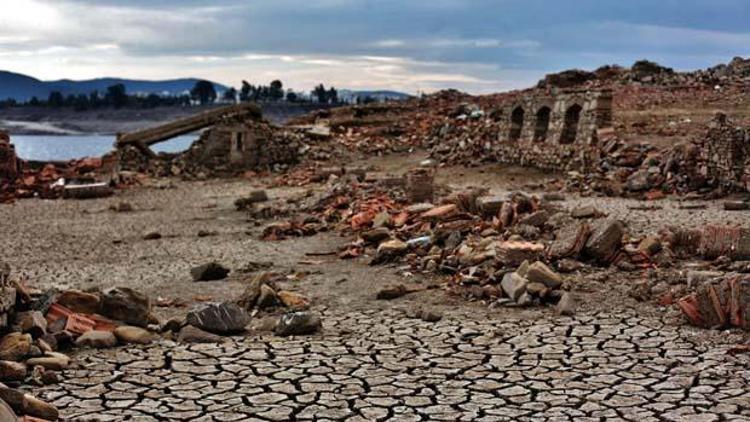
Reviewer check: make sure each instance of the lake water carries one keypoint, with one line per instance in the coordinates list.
(68, 147)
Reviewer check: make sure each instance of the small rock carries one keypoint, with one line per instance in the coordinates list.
(219, 318)
(605, 240)
(51, 360)
(650, 245)
(389, 250)
(97, 339)
(173, 325)
(293, 300)
(42, 376)
(525, 299)
(429, 315)
(586, 212)
(129, 334)
(298, 323)
(191, 334)
(376, 235)
(568, 265)
(209, 272)
(267, 297)
(390, 293)
(12, 371)
(6, 412)
(122, 207)
(513, 285)
(126, 305)
(31, 322)
(536, 289)
(15, 346)
(567, 305)
(78, 301)
(253, 197)
(540, 273)
(152, 236)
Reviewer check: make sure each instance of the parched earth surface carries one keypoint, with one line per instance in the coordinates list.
(380, 366)
(616, 359)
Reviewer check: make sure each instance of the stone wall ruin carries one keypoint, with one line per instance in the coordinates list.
(551, 131)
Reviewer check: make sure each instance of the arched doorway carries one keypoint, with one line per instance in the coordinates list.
(570, 127)
(516, 124)
(542, 124)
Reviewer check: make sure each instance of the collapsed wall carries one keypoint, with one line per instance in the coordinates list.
(230, 146)
(571, 131)
(553, 132)
(548, 131)
(243, 145)
(727, 150)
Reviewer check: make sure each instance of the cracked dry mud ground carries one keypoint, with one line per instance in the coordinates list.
(617, 359)
(378, 365)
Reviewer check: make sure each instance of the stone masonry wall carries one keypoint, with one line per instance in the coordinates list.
(558, 132)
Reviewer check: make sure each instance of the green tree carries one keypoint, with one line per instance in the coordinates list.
(230, 95)
(81, 102)
(203, 92)
(245, 92)
(56, 99)
(332, 96)
(276, 91)
(320, 93)
(116, 96)
(292, 96)
(34, 102)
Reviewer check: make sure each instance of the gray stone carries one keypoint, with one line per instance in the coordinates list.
(190, 334)
(513, 285)
(12, 371)
(97, 339)
(298, 323)
(31, 322)
(137, 335)
(540, 273)
(219, 318)
(567, 305)
(209, 272)
(126, 305)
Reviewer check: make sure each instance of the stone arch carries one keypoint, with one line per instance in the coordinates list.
(542, 124)
(570, 125)
(516, 123)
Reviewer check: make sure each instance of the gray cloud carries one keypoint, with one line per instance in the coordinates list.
(482, 45)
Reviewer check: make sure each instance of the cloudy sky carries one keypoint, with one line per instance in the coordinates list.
(478, 46)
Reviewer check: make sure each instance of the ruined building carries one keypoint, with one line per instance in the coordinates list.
(236, 138)
(549, 131)
(552, 131)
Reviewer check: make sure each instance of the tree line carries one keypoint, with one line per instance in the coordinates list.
(203, 93)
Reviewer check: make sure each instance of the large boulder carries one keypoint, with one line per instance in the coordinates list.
(126, 305)
(219, 318)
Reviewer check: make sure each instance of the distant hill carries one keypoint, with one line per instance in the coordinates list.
(380, 95)
(22, 87)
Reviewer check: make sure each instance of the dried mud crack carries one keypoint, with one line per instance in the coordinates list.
(589, 367)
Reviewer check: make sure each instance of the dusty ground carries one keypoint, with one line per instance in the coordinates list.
(617, 358)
